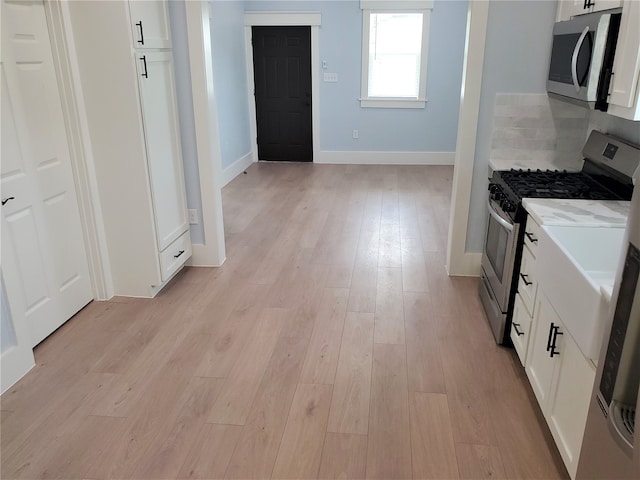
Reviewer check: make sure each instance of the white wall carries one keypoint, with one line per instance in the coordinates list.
(517, 51)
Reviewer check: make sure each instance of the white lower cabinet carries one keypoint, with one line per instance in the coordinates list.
(520, 329)
(561, 378)
(130, 101)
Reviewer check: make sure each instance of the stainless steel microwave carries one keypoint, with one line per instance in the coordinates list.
(582, 54)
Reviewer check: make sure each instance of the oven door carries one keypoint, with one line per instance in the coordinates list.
(499, 254)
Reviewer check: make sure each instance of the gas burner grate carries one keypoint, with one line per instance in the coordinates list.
(555, 184)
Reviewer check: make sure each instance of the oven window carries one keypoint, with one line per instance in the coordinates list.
(496, 247)
(561, 53)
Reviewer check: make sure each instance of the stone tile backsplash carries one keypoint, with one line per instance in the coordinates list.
(535, 131)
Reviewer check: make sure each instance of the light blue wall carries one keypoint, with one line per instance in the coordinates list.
(516, 60)
(177, 17)
(230, 78)
(432, 129)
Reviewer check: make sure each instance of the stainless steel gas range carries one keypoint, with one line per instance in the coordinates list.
(607, 174)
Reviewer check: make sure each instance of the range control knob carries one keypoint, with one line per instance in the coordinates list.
(508, 207)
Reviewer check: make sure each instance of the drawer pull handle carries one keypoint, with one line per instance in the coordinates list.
(524, 279)
(139, 25)
(144, 63)
(531, 237)
(556, 332)
(5, 200)
(179, 253)
(515, 327)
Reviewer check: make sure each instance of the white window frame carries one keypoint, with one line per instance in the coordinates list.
(394, 6)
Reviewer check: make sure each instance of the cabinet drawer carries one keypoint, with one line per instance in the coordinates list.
(520, 329)
(174, 256)
(531, 235)
(527, 283)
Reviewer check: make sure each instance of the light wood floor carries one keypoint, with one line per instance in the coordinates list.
(331, 344)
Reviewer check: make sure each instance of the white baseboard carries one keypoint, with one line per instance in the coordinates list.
(467, 266)
(236, 168)
(386, 158)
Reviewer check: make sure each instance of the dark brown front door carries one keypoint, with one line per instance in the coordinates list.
(282, 75)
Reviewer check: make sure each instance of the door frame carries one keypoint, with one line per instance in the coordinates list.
(80, 150)
(285, 19)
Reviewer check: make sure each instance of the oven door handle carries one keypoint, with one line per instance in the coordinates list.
(574, 58)
(499, 219)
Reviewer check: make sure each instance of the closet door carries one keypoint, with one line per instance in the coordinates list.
(43, 255)
(162, 138)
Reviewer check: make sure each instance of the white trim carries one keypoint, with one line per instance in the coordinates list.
(280, 19)
(396, 4)
(285, 19)
(386, 158)
(212, 252)
(80, 149)
(392, 103)
(236, 168)
(459, 262)
(18, 359)
(381, 102)
(16, 362)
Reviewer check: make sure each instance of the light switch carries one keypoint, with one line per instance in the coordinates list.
(330, 77)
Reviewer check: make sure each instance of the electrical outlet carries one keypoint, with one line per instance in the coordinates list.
(356, 134)
(193, 216)
(330, 77)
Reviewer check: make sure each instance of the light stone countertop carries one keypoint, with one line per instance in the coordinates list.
(578, 213)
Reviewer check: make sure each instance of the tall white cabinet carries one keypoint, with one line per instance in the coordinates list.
(127, 79)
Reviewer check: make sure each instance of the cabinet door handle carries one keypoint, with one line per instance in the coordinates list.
(179, 253)
(524, 277)
(145, 74)
(531, 238)
(139, 25)
(556, 331)
(5, 200)
(551, 327)
(515, 327)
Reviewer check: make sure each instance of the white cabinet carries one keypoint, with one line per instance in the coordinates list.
(520, 329)
(162, 141)
(571, 8)
(540, 364)
(624, 93)
(561, 378)
(525, 302)
(150, 24)
(129, 96)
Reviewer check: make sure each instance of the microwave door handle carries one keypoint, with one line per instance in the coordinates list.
(499, 219)
(574, 58)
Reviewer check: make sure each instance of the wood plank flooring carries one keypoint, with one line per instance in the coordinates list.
(331, 344)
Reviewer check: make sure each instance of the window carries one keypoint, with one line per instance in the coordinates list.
(394, 53)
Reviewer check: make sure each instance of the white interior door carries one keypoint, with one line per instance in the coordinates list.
(47, 277)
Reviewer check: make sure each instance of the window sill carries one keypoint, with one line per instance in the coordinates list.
(392, 103)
